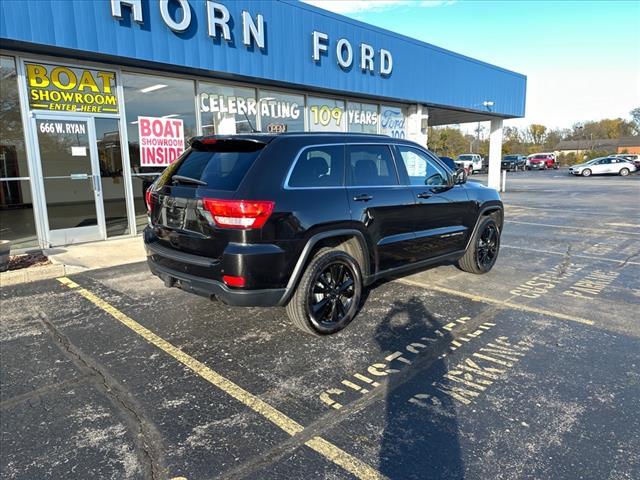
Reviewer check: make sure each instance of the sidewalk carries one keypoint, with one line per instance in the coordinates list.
(79, 258)
(90, 256)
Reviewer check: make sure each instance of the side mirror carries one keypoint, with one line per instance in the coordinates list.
(460, 176)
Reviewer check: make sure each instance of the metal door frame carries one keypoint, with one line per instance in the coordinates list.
(96, 182)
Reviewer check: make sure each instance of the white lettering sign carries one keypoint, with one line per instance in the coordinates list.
(219, 23)
(213, 103)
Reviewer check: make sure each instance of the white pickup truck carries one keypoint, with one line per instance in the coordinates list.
(471, 162)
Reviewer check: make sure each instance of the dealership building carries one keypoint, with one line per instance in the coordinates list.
(98, 96)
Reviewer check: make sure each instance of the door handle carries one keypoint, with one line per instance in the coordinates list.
(365, 197)
(424, 195)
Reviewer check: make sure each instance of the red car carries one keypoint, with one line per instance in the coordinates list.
(542, 161)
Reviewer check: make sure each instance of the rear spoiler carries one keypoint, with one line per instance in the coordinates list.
(228, 142)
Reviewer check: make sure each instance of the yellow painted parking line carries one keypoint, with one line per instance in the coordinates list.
(338, 456)
(501, 303)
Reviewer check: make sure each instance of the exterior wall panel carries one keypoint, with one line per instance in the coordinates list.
(422, 73)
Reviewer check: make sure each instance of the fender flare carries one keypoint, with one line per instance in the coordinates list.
(487, 208)
(306, 252)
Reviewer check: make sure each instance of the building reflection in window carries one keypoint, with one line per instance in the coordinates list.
(154, 96)
(16, 204)
(113, 194)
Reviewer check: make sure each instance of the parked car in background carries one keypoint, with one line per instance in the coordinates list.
(604, 165)
(471, 162)
(542, 161)
(450, 162)
(309, 220)
(633, 157)
(513, 162)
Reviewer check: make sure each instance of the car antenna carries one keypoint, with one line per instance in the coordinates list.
(253, 129)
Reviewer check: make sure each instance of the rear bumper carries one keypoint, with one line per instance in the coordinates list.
(203, 276)
(211, 288)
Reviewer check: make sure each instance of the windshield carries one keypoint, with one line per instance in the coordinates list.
(511, 157)
(465, 157)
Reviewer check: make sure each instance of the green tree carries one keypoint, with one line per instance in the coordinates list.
(605, 128)
(635, 115)
(537, 133)
(447, 141)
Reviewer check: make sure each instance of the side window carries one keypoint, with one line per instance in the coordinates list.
(370, 165)
(422, 169)
(319, 167)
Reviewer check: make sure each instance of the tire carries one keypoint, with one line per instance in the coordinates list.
(333, 272)
(624, 172)
(474, 259)
(586, 172)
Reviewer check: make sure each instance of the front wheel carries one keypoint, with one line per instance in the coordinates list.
(482, 252)
(586, 172)
(624, 172)
(328, 295)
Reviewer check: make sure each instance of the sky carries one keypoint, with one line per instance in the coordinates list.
(581, 58)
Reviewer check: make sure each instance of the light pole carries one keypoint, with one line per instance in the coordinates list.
(579, 128)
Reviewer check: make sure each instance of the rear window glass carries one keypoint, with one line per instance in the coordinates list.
(319, 167)
(221, 167)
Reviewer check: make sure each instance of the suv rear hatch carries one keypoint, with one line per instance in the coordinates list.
(191, 206)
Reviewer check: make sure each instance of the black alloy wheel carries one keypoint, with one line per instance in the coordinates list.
(331, 296)
(487, 248)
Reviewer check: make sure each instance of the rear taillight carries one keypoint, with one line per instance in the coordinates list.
(148, 199)
(234, 281)
(238, 213)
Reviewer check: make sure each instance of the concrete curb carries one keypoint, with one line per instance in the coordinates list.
(33, 274)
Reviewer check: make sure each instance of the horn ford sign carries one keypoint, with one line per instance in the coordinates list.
(69, 89)
(161, 140)
(220, 23)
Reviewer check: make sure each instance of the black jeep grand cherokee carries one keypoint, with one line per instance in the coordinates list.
(309, 220)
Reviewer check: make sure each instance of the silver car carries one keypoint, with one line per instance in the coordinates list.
(604, 165)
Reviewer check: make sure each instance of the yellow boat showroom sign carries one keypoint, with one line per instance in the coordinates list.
(69, 89)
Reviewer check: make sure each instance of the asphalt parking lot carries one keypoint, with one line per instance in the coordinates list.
(530, 371)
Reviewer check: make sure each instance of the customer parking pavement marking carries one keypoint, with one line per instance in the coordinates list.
(501, 303)
(323, 447)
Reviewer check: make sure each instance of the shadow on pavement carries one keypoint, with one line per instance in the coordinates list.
(418, 442)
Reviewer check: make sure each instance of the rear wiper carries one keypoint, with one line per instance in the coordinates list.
(183, 179)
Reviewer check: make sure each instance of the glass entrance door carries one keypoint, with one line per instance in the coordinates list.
(71, 179)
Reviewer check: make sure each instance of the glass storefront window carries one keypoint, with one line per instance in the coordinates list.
(326, 114)
(16, 205)
(157, 97)
(362, 117)
(113, 193)
(280, 112)
(393, 121)
(16, 214)
(226, 110)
